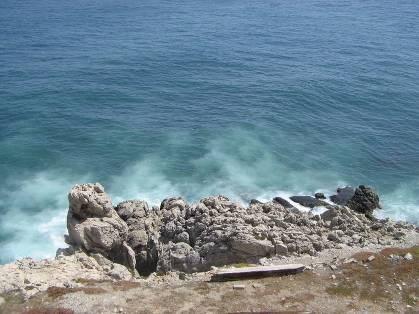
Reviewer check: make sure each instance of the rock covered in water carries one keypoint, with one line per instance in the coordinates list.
(95, 226)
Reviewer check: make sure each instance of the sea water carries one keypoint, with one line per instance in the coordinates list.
(159, 98)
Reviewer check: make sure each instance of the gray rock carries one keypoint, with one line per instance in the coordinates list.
(255, 201)
(320, 196)
(95, 226)
(89, 200)
(330, 214)
(281, 249)
(343, 195)
(134, 208)
(333, 236)
(364, 201)
(282, 202)
(178, 236)
(308, 201)
(253, 247)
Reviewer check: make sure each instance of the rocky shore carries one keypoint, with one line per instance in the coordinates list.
(132, 240)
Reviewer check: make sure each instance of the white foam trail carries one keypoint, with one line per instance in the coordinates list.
(402, 203)
(238, 165)
(35, 216)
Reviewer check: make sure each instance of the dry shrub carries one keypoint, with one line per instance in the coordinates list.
(56, 292)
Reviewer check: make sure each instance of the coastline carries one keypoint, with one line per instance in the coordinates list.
(184, 244)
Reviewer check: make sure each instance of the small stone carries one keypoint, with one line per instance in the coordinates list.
(238, 287)
(408, 257)
(371, 258)
(350, 261)
(399, 235)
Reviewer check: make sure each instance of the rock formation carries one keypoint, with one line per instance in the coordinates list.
(216, 231)
(95, 226)
(362, 199)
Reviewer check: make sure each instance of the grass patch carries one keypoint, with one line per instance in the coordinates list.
(125, 285)
(56, 292)
(342, 289)
(13, 297)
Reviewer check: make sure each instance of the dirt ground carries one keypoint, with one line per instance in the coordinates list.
(380, 282)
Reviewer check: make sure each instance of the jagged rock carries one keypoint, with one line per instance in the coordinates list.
(364, 201)
(282, 202)
(216, 231)
(320, 196)
(253, 247)
(135, 209)
(95, 226)
(308, 201)
(143, 233)
(255, 201)
(281, 249)
(330, 214)
(343, 195)
(89, 200)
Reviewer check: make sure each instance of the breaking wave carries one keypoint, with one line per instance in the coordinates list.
(240, 167)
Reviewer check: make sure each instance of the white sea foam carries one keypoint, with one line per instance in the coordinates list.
(241, 170)
(34, 219)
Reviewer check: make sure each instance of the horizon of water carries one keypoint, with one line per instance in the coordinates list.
(249, 99)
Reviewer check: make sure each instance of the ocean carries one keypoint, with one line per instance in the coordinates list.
(250, 99)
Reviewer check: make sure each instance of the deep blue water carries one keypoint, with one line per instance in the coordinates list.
(249, 98)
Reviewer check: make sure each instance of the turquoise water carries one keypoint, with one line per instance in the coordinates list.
(251, 99)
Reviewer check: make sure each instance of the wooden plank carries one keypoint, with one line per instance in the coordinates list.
(257, 271)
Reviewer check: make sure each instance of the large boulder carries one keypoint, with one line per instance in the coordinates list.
(89, 200)
(364, 201)
(343, 195)
(94, 225)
